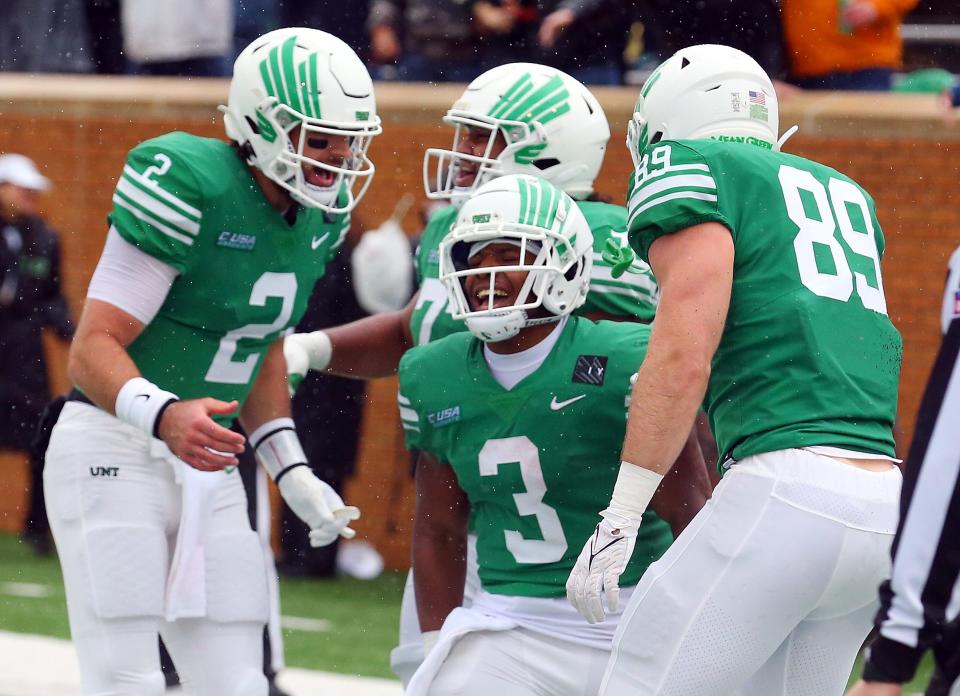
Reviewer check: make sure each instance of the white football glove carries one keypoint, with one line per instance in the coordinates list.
(303, 352)
(382, 268)
(601, 562)
(318, 505)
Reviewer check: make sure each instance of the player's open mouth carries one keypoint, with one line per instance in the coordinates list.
(465, 176)
(323, 178)
(481, 298)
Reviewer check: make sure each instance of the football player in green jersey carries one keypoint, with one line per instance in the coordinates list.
(518, 424)
(518, 118)
(212, 252)
(773, 315)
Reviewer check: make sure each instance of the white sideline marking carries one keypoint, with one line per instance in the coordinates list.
(302, 623)
(25, 589)
(40, 666)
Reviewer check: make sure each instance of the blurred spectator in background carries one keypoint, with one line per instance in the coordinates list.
(253, 18)
(423, 40)
(30, 299)
(44, 36)
(189, 38)
(106, 36)
(345, 19)
(506, 30)
(584, 38)
(844, 44)
(751, 26)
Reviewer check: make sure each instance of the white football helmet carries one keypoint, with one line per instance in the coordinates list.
(309, 78)
(553, 126)
(538, 217)
(705, 92)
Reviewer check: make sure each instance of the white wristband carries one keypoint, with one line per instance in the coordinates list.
(277, 447)
(140, 403)
(634, 488)
(318, 347)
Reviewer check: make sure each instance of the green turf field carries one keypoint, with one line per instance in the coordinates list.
(362, 615)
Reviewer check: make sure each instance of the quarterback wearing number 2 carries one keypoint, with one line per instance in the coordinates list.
(772, 314)
(212, 252)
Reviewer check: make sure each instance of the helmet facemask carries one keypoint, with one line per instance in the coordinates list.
(549, 260)
(442, 167)
(551, 127)
(307, 81)
(351, 177)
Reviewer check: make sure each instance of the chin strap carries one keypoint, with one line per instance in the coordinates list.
(786, 136)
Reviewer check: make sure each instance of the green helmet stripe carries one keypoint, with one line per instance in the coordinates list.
(539, 102)
(290, 74)
(304, 89)
(548, 207)
(524, 200)
(553, 113)
(651, 81)
(267, 82)
(516, 91)
(314, 87)
(274, 59)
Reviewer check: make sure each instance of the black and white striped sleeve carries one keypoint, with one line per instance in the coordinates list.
(923, 593)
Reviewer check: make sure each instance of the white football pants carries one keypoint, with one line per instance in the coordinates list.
(114, 512)
(519, 662)
(770, 591)
(407, 657)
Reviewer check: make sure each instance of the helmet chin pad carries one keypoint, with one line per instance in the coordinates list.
(497, 327)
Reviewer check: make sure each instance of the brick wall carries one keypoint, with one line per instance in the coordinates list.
(80, 129)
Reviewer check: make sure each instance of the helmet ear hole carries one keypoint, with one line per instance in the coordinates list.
(252, 124)
(657, 137)
(542, 164)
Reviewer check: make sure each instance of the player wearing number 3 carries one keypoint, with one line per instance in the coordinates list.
(518, 424)
(772, 314)
(212, 252)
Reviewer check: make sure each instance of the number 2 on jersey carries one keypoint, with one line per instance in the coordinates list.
(227, 370)
(832, 213)
(513, 450)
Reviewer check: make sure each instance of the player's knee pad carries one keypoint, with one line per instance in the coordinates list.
(236, 578)
(405, 660)
(128, 570)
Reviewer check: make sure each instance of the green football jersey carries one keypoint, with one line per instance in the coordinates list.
(538, 461)
(808, 355)
(633, 295)
(245, 274)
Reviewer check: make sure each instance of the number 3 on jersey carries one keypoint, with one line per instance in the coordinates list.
(831, 214)
(521, 450)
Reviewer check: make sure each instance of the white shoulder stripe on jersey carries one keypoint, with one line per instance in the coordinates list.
(402, 399)
(407, 426)
(670, 197)
(409, 415)
(153, 205)
(632, 293)
(166, 195)
(673, 169)
(686, 181)
(159, 226)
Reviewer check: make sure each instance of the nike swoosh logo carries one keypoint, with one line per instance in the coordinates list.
(142, 396)
(557, 405)
(315, 242)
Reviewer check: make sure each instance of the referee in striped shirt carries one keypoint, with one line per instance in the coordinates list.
(921, 601)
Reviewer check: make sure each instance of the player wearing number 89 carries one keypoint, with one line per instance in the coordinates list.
(212, 252)
(518, 424)
(772, 314)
